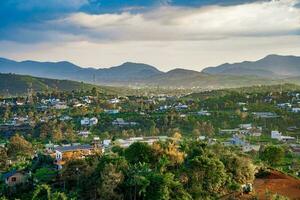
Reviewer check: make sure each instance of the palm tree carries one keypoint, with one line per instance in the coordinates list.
(44, 192)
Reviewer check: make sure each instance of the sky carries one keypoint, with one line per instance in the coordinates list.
(168, 34)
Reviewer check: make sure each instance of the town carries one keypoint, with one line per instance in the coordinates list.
(56, 140)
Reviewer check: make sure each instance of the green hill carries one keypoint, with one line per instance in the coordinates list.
(12, 84)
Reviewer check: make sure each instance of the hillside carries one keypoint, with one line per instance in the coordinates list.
(11, 84)
(271, 66)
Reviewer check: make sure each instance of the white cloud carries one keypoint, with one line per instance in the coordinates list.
(177, 23)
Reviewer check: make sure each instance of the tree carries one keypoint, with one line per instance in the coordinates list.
(74, 171)
(43, 192)
(111, 178)
(19, 147)
(165, 187)
(207, 177)
(57, 135)
(3, 159)
(272, 154)
(139, 152)
(241, 169)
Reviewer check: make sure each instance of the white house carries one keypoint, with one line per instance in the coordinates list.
(296, 110)
(277, 135)
(106, 143)
(85, 121)
(114, 101)
(204, 113)
(246, 126)
(93, 121)
(89, 121)
(60, 106)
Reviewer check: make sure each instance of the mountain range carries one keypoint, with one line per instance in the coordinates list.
(273, 66)
(272, 69)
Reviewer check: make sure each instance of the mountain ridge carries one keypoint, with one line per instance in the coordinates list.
(267, 70)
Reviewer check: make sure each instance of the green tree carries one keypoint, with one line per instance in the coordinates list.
(207, 177)
(43, 192)
(272, 155)
(139, 152)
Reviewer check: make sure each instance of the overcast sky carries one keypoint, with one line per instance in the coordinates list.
(168, 34)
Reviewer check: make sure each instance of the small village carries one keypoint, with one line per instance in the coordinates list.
(61, 128)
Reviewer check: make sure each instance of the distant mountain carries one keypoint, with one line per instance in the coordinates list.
(272, 69)
(271, 66)
(126, 72)
(12, 84)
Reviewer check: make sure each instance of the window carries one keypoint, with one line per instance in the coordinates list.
(13, 179)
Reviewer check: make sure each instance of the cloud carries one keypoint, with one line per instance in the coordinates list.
(178, 23)
(168, 34)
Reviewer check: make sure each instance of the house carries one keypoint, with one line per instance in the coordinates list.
(265, 115)
(204, 113)
(164, 107)
(75, 151)
(149, 140)
(106, 143)
(121, 122)
(93, 121)
(277, 135)
(181, 107)
(65, 118)
(237, 140)
(296, 110)
(85, 121)
(284, 105)
(246, 126)
(89, 121)
(229, 131)
(60, 106)
(113, 101)
(14, 177)
(114, 111)
(50, 147)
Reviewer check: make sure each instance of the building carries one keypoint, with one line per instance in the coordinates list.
(296, 110)
(113, 101)
(265, 115)
(85, 121)
(229, 131)
(60, 106)
(284, 105)
(114, 111)
(237, 140)
(120, 122)
(75, 151)
(149, 140)
(204, 113)
(246, 126)
(14, 177)
(277, 135)
(89, 122)
(93, 121)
